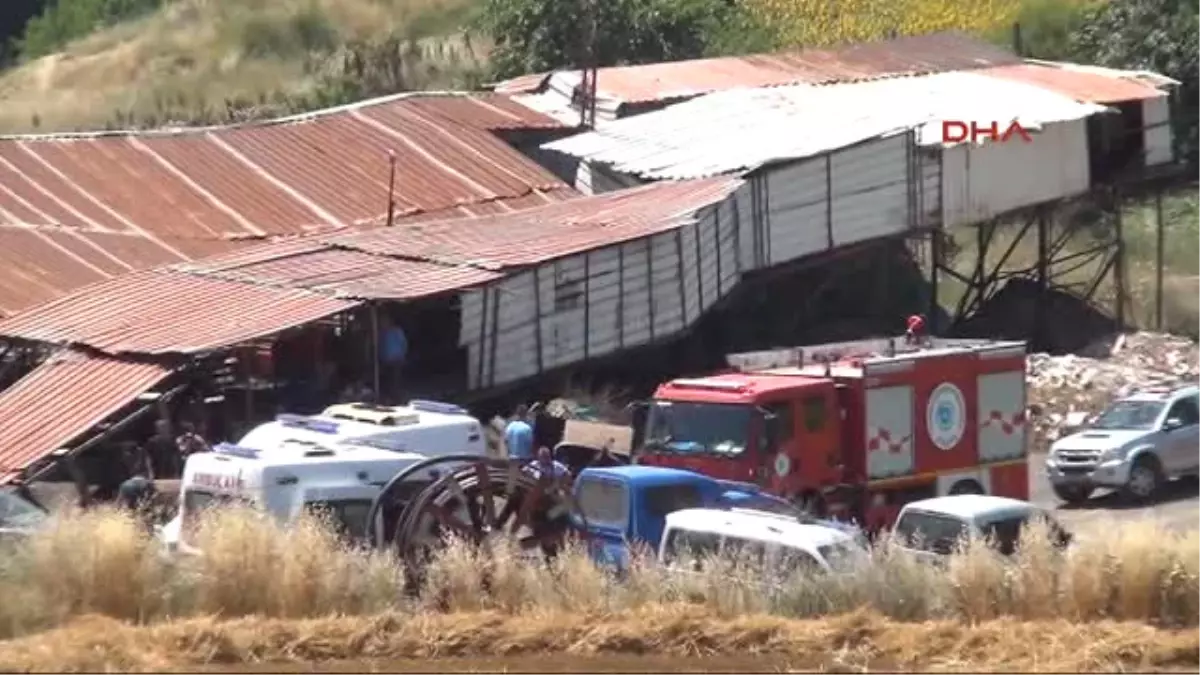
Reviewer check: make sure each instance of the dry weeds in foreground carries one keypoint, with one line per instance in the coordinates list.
(102, 563)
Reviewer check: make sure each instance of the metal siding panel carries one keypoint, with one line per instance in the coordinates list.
(931, 186)
(516, 300)
(983, 181)
(889, 431)
(635, 308)
(1156, 114)
(603, 298)
(664, 286)
(1001, 416)
(799, 206)
(870, 191)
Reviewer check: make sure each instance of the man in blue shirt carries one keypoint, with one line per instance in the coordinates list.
(518, 435)
(393, 352)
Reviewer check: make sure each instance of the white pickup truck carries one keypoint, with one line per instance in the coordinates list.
(1135, 445)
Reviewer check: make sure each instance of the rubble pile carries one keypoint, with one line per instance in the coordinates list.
(1064, 390)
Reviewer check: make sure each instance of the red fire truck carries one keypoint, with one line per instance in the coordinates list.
(854, 429)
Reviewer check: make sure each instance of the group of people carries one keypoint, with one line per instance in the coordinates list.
(161, 457)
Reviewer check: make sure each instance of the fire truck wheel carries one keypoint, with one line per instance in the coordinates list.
(1144, 479)
(1073, 494)
(812, 502)
(967, 487)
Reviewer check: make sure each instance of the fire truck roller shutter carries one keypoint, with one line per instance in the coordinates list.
(974, 481)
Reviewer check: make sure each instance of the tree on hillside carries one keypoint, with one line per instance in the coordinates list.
(1157, 35)
(538, 35)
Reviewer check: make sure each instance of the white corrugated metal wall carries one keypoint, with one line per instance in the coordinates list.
(1156, 116)
(593, 304)
(982, 181)
(792, 215)
(595, 179)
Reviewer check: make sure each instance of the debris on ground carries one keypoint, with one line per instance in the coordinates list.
(1065, 390)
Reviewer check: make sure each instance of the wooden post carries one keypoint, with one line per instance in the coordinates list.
(1160, 254)
(375, 349)
(391, 210)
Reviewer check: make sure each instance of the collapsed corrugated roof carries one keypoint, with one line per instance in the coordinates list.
(77, 208)
(746, 128)
(63, 397)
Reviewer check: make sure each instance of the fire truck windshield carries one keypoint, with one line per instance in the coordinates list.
(688, 427)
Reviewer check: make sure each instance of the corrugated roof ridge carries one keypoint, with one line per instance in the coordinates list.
(252, 124)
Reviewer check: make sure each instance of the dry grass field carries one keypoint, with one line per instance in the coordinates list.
(94, 593)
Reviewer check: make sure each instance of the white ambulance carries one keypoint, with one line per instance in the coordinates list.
(338, 461)
(431, 428)
(284, 481)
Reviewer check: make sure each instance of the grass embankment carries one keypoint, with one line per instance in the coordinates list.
(266, 594)
(192, 61)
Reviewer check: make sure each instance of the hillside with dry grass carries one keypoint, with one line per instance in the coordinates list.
(197, 61)
(94, 593)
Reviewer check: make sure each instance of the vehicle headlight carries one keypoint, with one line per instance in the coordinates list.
(1112, 453)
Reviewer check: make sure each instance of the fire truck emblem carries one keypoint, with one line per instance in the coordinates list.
(783, 465)
(945, 416)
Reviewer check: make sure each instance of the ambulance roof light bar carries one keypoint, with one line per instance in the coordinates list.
(302, 422)
(233, 450)
(423, 405)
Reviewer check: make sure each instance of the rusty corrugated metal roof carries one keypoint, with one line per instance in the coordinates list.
(106, 203)
(537, 235)
(163, 311)
(916, 55)
(40, 264)
(271, 286)
(340, 273)
(1081, 85)
(62, 398)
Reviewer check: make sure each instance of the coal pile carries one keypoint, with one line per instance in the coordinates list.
(1064, 390)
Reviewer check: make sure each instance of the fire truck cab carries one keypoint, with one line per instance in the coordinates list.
(854, 429)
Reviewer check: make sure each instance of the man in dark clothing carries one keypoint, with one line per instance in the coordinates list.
(163, 451)
(190, 442)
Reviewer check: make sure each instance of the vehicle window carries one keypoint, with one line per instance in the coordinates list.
(814, 413)
(603, 502)
(16, 512)
(1129, 415)
(840, 556)
(195, 502)
(1005, 534)
(745, 551)
(794, 561)
(930, 531)
(663, 499)
(685, 427)
(692, 547)
(348, 516)
(1185, 409)
(784, 424)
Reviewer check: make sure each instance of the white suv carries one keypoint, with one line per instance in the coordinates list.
(1135, 445)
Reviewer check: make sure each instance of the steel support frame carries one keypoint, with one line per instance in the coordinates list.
(1052, 264)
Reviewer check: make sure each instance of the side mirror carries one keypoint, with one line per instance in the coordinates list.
(1172, 424)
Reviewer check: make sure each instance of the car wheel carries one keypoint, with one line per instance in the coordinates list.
(1144, 479)
(966, 487)
(1073, 494)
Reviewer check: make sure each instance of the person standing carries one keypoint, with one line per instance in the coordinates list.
(163, 452)
(393, 353)
(518, 435)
